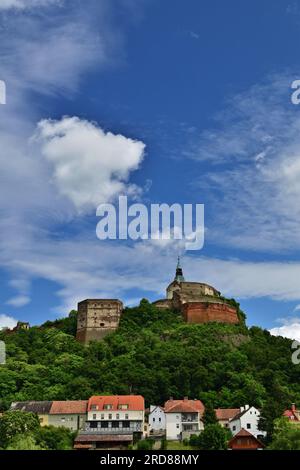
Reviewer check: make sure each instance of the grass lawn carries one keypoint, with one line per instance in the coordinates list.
(176, 445)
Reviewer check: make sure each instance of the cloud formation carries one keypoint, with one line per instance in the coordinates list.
(252, 157)
(26, 4)
(290, 329)
(7, 322)
(90, 166)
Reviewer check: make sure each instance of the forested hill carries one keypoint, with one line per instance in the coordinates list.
(153, 353)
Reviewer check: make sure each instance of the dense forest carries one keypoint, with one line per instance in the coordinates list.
(153, 353)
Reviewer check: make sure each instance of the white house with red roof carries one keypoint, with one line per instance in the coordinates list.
(293, 414)
(112, 421)
(224, 415)
(183, 418)
(247, 418)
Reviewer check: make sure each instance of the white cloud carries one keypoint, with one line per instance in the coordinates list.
(19, 301)
(7, 322)
(23, 4)
(89, 166)
(253, 154)
(290, 330)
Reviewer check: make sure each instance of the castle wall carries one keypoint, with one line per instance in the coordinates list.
(97, 318)
(203, 312)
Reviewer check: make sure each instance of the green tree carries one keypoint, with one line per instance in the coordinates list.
(286, 436)
(52, 438)
(14, 423)
(214, 437)
(23, 442)
(209, 416)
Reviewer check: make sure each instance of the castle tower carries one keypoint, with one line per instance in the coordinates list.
(97, 318)
(179, 273)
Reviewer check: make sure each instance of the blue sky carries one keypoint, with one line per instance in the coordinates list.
(174, 101)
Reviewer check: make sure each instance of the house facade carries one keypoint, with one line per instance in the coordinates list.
(247, 418)
(112, 422)
(157, 420)
(68, 414)
(183, 418)
(224, 415)
(244, 440)
(41, 408)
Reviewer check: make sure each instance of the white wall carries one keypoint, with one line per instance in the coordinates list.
(132, 415)
(249, 421)
(157, 419)
(173, 426)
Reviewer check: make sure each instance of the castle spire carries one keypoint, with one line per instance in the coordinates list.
(179, 274)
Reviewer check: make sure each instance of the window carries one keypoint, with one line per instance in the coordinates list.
(102, 324)
(159, 419)
(115, 424)
(177, 426)
(94, 416)
(110, 416)
(234, 428)
(248, 426)
(126, 416)
(125, 424)
(153, 419)
(108, 407)
(63, 420)
(123, 407)
(93, 425)
(104, 424)
(102, 415)
(117, 416)
(94, 407)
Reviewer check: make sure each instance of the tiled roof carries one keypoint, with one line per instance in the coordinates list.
(38, 407)
(104, 438)
(244, 433)
(134, 402)
(68, 407)
(226, 413)
(184, 406)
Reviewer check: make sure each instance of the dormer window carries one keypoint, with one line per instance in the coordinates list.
(123, 407)
(94, 407)
(108, 407)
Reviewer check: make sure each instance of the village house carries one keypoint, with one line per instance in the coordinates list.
(247, 418)
(112, 422)
(68, 414)
(244, 440)
(293, 414)
(224, 415)
(157, 420)
(41, 408)
(183, 418)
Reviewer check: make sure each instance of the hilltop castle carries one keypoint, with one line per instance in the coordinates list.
(197, 302)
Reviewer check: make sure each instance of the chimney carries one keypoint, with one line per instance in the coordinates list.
(247, 407)
(293, 407)
(185, 398)
(171, 398)
(242, 408)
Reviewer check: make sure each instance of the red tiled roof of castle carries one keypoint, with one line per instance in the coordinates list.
(184, 406)
(134, 402)
(68, 407)
(291, 415)
(226, 413)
